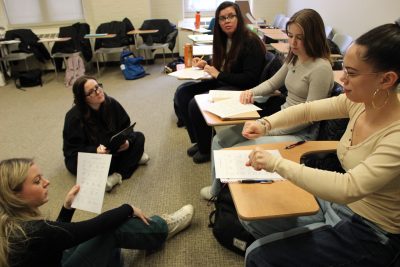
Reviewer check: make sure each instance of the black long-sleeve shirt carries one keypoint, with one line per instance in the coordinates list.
(48, 239)
(246, 71)
(75, 133)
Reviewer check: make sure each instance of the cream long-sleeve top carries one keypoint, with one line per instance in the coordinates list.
(307, 81)
(371, 185)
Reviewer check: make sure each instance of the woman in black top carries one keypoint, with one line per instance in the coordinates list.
(30, 240)
(90, 124)
(237, 62)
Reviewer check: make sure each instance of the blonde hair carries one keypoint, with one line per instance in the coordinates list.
(13, 210)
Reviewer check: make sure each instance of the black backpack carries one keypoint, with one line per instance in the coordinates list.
(28, 78)
(226, 226)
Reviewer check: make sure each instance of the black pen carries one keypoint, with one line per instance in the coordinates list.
(256, 181)
(295, 144)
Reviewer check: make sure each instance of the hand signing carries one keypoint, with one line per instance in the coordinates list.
(211, 70)
(246, 97)
(259, 159)
(253, 130)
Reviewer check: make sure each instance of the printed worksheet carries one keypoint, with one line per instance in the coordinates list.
(230, 166)
(230, 107)
(92, 177)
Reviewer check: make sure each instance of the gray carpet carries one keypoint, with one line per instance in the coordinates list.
(31, 126)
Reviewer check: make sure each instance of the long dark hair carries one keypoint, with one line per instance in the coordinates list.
(89, 123)
(222, 59)
(383, 47)
(315, 42)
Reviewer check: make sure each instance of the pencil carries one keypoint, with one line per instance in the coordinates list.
(201, 57)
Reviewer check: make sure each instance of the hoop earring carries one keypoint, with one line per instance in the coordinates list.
(375, 94)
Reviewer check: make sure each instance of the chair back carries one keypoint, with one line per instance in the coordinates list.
(118, 28)
(328, 31)
(343, 41)
(282, 23)
(167, 32)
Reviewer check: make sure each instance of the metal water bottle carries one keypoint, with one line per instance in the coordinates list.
(197, 20)
(188, 55)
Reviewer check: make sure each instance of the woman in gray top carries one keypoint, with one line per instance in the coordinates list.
(307, 75)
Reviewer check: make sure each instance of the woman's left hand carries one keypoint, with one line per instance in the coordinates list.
(139, 213)
(124, 146)
(71, 196)
(211, 70)
(259, 159)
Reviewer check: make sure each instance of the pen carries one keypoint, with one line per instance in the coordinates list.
(256, 181)
(295, 144)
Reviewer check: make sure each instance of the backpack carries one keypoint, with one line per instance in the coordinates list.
(130, 66)
(226, 226)
(28, 78)
(75, 68)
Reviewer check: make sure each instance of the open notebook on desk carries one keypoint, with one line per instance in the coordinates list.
(191, 74)
(232, 109)
(230, 167)
(218, 95)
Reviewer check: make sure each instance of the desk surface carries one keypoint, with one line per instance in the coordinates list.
(213, 120)
(100, 36)
(282, 48)
(270, 31)
(189, 26)
(54, 39)
(277, 36)
(201, 38)
(142, 31)
(279, 199)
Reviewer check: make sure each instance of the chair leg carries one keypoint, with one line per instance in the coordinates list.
(97, 63)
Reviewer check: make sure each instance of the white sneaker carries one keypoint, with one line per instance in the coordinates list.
(178, 220)
(144, 159)
(205, 193)
(113, 180)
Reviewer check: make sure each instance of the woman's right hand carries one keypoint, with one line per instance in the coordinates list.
(102, 149)
(139, 213)
(253, 130)
(247, 97)
(198, 62)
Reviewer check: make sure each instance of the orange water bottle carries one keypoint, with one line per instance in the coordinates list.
(188, 55)
(197, 20)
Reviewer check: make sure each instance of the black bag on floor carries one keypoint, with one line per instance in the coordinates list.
(226, 226)
(28, 78)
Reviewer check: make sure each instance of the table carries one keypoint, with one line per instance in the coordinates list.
(281, 36)
(202, 50)
(202, 101)
(279, 199)
(270, 31)
(281, 48)
(189, 26)
(135, 34)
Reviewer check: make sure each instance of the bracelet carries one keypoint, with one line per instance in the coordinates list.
(262, 121)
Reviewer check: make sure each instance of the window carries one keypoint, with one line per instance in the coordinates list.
(43, 11)
(206, 7)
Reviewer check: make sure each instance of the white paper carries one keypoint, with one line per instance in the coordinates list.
(230, 166)
(92, 177)
(191, 74)
(218, 95)
(230, 107)
(201, 38)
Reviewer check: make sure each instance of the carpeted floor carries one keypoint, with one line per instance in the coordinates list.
(31, 126)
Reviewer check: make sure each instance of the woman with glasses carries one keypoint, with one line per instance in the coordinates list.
(359, 219)
(29, 239)
(237, 62)
(89, 126)
(306, 74)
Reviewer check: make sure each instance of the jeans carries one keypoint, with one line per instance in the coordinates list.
(100, 251)
(335, 236)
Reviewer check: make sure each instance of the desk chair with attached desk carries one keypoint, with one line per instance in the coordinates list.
(28, 46)
(77, 44)
(117, 40)
(164, 38)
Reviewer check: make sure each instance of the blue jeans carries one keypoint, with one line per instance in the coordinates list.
(102, 250)
(335, 236)
(232, 137)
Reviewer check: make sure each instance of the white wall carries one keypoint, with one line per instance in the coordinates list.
(352, 17)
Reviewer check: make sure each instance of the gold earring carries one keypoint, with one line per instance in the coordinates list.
(375, 94)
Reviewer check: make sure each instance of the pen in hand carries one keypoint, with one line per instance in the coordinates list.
(295, 144)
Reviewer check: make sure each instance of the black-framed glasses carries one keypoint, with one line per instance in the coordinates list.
(95, 89)
(230, 17)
